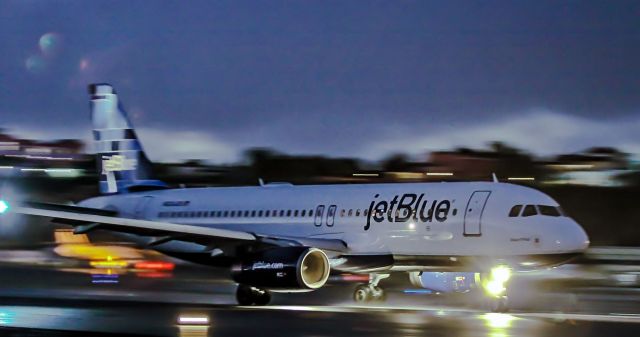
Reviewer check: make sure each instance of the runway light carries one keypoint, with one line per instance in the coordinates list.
(109, 264)
(440, 174)
(154, 265)
(199, 320)
(4, 206)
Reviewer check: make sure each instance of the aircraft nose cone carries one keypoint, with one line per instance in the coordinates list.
(572, 238)
(584, 239)
(579, 239)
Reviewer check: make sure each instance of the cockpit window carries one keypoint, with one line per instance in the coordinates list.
(529, 210)
(549, 210)
(515, 211)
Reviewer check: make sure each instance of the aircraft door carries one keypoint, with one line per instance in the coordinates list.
(141, 207)
(331, 214)
(318, 216)
(473, 213)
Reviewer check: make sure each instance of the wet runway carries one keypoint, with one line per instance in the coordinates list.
(53, 318)
(62, 301)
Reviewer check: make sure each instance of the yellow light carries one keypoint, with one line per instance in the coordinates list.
(494, 287)
(501, 274)
(108, 264)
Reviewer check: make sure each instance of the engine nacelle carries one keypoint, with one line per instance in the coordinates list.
(445, 282)
(284, 268)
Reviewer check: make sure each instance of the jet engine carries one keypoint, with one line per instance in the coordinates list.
(445, 282)
(284, 268)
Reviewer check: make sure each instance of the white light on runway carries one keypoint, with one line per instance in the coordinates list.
(439, 174)
(366, 175)
(193, 320)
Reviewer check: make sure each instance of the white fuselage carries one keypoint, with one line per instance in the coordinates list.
(465, 219)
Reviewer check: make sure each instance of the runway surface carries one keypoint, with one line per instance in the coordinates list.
(63, 301)
(52, 318)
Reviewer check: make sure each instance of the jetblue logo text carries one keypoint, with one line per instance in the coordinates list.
(408, 207)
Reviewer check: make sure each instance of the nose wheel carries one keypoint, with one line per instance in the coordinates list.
(371, 291)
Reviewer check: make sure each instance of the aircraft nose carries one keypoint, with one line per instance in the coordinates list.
(578, 240)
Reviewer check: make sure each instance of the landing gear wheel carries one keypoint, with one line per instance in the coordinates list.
(362, 294)
(499, 304)
(247, 295)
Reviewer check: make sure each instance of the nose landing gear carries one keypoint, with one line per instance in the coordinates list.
(495, 286)
(371, 291)
(498, 304)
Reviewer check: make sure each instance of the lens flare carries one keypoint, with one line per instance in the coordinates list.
(50, 43)
(4, 206)
(35, 64)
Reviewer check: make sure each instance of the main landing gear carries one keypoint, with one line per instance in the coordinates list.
(371, 291)
(248, 295)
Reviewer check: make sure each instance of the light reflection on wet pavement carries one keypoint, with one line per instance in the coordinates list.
(53, 302)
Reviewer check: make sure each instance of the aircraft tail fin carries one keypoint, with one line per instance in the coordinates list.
(122, 163)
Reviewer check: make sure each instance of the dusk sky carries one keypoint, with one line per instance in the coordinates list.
(208, 79)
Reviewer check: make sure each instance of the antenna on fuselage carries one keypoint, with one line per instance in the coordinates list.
(495, 178)
(260, 181)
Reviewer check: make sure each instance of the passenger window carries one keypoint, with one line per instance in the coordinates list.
(529, 210)
(282, 212)
(303, 212)
(310, 213)
(366, 212)
(548, 210)
(260, 213)
(350, 212)
(267, 213)
(295, 213)
(358, 212)
(342, 211)
(289, 213)
(515, 211)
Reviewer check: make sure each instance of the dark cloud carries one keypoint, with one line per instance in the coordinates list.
(334, 77)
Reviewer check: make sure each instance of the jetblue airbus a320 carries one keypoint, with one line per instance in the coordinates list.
(280, 237)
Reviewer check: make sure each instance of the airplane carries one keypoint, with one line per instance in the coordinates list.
(277, 237)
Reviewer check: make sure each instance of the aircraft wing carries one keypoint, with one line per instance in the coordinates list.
(85, 219)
